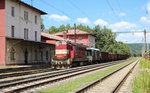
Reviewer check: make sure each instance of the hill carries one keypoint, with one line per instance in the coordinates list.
(136, 48)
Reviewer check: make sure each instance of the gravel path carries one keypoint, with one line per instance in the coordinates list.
(109, 84)
(128, 84)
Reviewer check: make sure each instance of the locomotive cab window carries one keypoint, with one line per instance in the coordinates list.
(89, 52)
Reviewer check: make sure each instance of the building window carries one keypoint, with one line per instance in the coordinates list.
(12, 54)
(35, 35)
(46, 55)
(13, 11)
(35, 19)
(25, 33)
(12, 31)
(25, 15)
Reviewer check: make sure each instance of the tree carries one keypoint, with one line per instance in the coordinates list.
(106, 41)
(62, 28)
(42, 25)
(84, 28)
(52, 29)
(68, 27)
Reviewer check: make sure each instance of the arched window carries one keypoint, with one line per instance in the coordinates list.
(12, 54)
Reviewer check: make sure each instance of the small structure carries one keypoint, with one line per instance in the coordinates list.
(20, 35)
(49, 38)
(82, 37)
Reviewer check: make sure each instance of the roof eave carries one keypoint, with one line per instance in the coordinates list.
(42, 12)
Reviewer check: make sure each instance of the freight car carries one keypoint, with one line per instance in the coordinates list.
(95, 56)
(104, 57)
(68, 54)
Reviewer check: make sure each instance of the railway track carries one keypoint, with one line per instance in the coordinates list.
(98, 86)
(120, 84)
(23, 73)
(23, 84)
(24, 68)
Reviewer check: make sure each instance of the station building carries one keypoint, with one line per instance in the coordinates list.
(20, 35)
(81, 37)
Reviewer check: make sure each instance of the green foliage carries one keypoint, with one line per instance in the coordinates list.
(106, 41)
(105, 38)
(84, 28)
(136, 48)
(142, 81)
(61, 28)
(42, 25)
(52, 29)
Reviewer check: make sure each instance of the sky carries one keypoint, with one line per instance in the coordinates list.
(118, 15)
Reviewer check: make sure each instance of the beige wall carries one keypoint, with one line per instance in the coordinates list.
(91, 41)
(20, 47)
(19, 22)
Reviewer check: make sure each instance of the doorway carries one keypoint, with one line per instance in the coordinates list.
(26, 56)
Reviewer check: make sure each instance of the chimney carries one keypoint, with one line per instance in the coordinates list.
(64, 35)
(67, 31)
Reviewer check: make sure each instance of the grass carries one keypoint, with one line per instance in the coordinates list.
(142, 81)
(77, 83)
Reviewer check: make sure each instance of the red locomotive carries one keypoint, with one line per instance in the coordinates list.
(68, 54)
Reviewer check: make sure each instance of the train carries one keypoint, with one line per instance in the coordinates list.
(69, 54)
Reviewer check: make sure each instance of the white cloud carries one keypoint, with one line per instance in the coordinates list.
(148, 7)
(101, 22)
(123, 25)
(145, 20)
(84, 20)
(130, 37)
(57, 17)
(122, 14)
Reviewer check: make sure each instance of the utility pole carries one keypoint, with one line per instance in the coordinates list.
(145, 44)
(145, 48)
(75, 33)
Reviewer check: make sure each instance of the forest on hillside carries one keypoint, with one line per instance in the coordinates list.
(105, 38)
(136, 48)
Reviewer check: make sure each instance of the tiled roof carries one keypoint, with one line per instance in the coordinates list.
(71, 32)
(50, 36)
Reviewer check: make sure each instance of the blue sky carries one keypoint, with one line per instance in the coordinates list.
(119, 15)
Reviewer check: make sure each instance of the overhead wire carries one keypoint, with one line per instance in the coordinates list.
(78, 8)
(113, 10)
(61, 11)
(120, 9)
